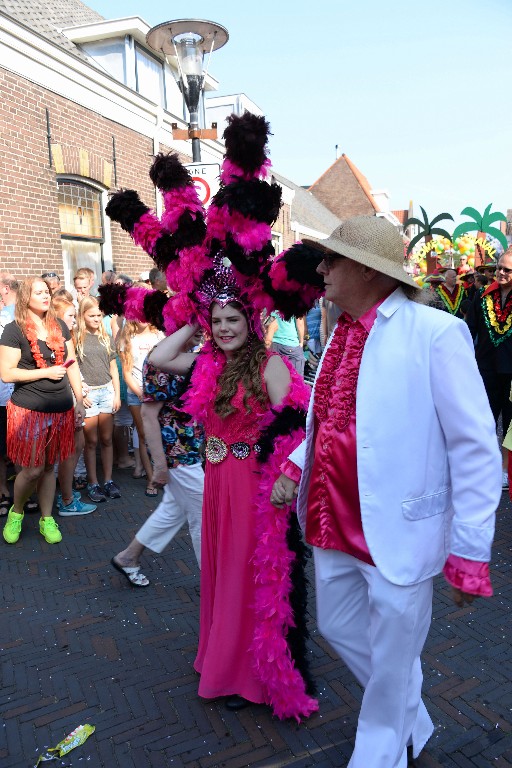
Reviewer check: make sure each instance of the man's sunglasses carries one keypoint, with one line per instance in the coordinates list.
(330, 258)
(50, 274)
(504, 270)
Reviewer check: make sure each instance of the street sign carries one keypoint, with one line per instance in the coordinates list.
(206, 180)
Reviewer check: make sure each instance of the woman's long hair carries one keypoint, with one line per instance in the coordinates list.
(81, 329)
(245, 366)
(22, 302)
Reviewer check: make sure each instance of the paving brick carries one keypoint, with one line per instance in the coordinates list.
(80, 646)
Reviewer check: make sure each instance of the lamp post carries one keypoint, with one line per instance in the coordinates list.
(189, 40)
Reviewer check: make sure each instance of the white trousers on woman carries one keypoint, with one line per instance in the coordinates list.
(182, 501)
(379, 630)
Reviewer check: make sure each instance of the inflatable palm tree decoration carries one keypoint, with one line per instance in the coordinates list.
(482, 224)
(427, 231)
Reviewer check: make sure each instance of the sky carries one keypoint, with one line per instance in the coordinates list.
(416, 94)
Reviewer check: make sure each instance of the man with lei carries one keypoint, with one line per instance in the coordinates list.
(490, 323)
(451, 293)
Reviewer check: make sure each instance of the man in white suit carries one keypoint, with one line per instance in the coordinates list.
(398, 479)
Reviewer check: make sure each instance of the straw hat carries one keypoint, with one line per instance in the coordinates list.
(369, 240)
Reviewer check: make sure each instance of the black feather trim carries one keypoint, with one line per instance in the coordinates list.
(126, 207)
(164, 252)
(301, 264)
(191, 230)
(246, 139)
(250, 264)
(284, 423)
(254, 199)
(167, 172)
(112, 298)
(298, 635)
(154, 303)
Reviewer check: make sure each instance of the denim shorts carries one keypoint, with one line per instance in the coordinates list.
(102, 400)
(132, 398)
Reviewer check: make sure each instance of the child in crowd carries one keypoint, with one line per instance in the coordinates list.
(97, 362)
(69, 502)
(136, 340)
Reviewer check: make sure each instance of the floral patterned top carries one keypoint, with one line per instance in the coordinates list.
(182, 438)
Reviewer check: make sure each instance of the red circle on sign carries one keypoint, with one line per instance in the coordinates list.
(203, 189)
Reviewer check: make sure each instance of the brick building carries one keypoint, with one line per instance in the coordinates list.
(85, 105)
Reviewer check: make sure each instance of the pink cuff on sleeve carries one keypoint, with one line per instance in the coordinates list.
(468, 576)
(291, 470)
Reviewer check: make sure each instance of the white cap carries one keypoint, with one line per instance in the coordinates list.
(144, 276)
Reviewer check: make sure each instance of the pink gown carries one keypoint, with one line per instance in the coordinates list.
(227, 620)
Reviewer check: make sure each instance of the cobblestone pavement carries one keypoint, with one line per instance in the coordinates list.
(78, 645)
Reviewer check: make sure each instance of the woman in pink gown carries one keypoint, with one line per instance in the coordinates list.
(252, 630)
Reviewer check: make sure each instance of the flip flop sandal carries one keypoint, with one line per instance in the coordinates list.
(132, 574)
(151, 492)
(5, 505)
(139, 475)
(31, 506)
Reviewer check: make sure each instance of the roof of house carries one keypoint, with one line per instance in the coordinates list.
(402, 216)
(307, 209)
(345, 190)
(48, 17)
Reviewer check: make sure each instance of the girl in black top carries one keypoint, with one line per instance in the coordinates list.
(40, 416)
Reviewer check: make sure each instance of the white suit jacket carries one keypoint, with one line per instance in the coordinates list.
(428, 461)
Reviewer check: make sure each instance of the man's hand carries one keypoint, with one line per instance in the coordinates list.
(459, 597)
(284, 491)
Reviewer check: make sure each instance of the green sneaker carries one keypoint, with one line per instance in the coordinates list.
(12, 527)
(50, 530)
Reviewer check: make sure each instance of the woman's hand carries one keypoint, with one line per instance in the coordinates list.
(284, 491)
(55, 372)
(79, 415)
(116, 404)
(87, 402)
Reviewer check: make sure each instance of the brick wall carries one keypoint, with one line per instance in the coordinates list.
(82, 146)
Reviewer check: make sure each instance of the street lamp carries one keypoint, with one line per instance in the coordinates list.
(189, 40)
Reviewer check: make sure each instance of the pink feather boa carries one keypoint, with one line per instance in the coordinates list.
(283, 684)
(273, 562)
(147, 231)
(281, 282)
(231, 172)
(134, 305)
(179, 201)
(249, 234)
(177, 312)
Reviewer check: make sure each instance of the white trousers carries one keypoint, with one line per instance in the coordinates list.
(182, 501)
(379, 630)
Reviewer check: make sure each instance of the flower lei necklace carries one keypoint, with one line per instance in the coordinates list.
(498, 319)
(54, 341)
(452, 301)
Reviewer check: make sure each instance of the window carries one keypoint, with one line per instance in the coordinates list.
(149, 73)
(110, 56)
(81, 226)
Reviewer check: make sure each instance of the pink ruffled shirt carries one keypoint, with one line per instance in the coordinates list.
(334, 514)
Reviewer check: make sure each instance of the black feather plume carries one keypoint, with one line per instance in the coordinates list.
(112, 298)
(301, 265)
(254, 199)
(167, 172)
(126, 207)
(164, 252)
(246, 139)
(284, 423)
(250, 264)
(154, 303)
(298, 635)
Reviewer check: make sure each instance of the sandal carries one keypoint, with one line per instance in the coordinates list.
(5, 504)
(139, 475)
(31, 506)
(151, 492)
(132, 574)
